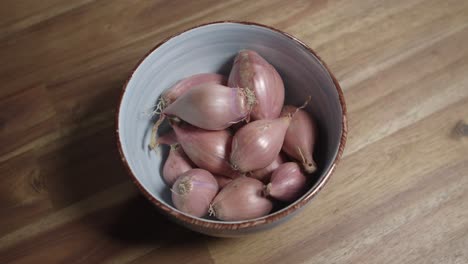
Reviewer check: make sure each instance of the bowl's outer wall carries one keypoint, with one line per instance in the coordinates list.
(212, 48)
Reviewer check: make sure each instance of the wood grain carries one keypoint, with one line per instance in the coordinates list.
(400, 194)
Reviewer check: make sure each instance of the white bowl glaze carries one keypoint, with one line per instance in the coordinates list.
(211, 48)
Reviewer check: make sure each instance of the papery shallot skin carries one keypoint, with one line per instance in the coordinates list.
(193, 192)
(210, 106)
(208, 149)
(176, 164)
(300, 137)
(182, 86)
(253, 72)
(287, 182)
(171, 94)
(257, 144)
(241, 199)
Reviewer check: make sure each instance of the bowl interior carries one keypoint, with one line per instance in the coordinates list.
(212, 48)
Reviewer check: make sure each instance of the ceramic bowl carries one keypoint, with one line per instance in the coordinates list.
(211, 48)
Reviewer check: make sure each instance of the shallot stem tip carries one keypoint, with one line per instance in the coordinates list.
(154, 133)
(302, 155)
(307, 101)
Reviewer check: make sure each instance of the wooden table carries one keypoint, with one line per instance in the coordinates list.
(400, 194)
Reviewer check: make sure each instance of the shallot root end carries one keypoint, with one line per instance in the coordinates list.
(251, 99)
(184, 187)
(211, 211)
(160, 106)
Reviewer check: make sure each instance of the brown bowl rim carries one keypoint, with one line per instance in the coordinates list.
(247, 223)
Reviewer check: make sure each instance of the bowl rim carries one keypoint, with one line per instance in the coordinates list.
(246, 223)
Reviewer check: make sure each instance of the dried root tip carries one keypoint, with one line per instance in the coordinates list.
(151, 111)
(175, 146)
(160, 106)
(251, 98)
(184, 187)
(211, 211)
(156, 109)
(174, 120)
(154, 133)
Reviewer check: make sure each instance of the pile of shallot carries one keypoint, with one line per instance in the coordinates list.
(235, 148)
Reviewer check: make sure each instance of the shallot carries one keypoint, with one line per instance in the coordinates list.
(241, 199)
(287, 182)
(193, 192)
(211, 106)
(300, 137)
(181, 87)
(208, 149)
(257, 144)
(253, 72)
(171, 94)
(177, 163)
